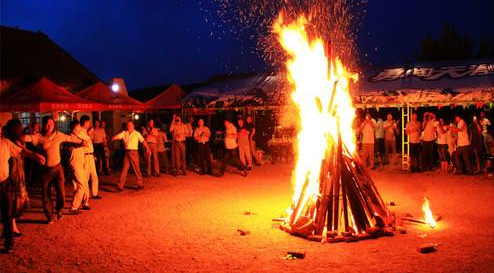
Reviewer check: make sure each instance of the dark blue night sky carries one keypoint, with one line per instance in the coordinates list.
(155, 42)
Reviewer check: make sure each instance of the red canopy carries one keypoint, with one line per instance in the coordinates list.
(100, 92)
(45, 96)
(171, 98)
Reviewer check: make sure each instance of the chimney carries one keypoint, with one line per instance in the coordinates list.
(118, 85)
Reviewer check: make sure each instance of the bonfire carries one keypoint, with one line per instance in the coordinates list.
(334, 197)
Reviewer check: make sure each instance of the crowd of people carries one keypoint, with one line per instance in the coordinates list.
(45, 157)
(433, 143)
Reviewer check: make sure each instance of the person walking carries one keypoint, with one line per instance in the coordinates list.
(243, 144)
(89, 163)
(179, 133)
(413, 130)
(131, 139)
(150, 133)
(9, 150)
(390, 128)
(463, 150)
(201, 136)
(162, 155)
(230, 157)
(106, 162)
(80, 175)
(429, 125)
(367, 129)
(52, 174)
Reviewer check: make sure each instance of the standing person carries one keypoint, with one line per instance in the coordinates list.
(367, 129)
(52, 172)
(10, 150)
(252, 139)
(99, 140)
(429, 125)
(31, 168)
(80, 175)
(413, 131)
(442, 144)
(150, 133)
(231, 145)
(89, 163)
(462, 157)
(201, 136)
(244, 145)
(179, 132)
(379, 145)
(191, 154)
(106, 162)
(390, 128)
(485, 123)
(476, 143)
(131, 139)
(451, 138)
(162, 156)
(15, 133)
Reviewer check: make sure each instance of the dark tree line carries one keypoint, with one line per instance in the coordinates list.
(452, 45)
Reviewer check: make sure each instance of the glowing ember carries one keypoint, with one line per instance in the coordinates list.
(428, 217)
(321, 93)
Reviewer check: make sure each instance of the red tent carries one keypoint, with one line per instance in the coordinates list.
(45, 96)
(171, 98)
(100, 92)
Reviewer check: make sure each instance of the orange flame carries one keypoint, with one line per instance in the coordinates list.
(428, 217)
(321, 93)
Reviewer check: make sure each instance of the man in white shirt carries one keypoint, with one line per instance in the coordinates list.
(131, 139)
(367, 129)
(463, 151)
(429, 125)
(390, 128)
(231, 146)
(201, 136)
(179, 133)
(150, 133)
(7, 187)
(413, 131)
(79, 175)
(89, 163)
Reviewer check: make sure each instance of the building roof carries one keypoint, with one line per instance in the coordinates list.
(100, 92)
(171, 98)
(45, 96)
(27, 56)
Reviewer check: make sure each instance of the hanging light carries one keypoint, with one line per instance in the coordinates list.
(136, 116)
(115, 87)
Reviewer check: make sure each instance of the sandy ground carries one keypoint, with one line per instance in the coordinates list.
(189, 224)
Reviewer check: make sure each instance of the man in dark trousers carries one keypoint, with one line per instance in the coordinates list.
(201, 136)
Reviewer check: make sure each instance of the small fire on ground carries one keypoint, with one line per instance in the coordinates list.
(428, 216)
